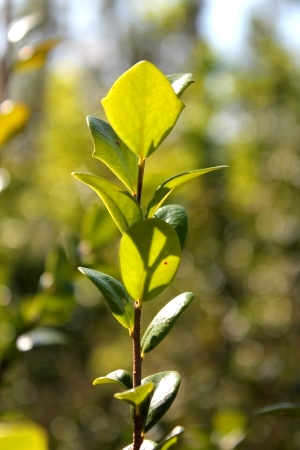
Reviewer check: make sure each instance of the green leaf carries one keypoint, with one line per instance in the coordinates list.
(39, 338)
(34, 56)
(170, 439)
(280, 409)
(120, 377)
(146, 445)
(119, 302)
(23, 436)
(121, 205)
(112, 151)
(165, 189)
(13, 118)
(142, 108)
(180, 82)
(176, 216)
(136, 396)
(164, 321)
(149, 258)
(166, 385)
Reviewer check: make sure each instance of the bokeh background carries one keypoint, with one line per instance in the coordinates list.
(237, 346)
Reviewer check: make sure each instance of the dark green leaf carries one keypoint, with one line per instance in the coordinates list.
(280, 409)
(180, 82)
(116, 296)
(176, 216)
(164, 321)
(120, 377)
(112, 151)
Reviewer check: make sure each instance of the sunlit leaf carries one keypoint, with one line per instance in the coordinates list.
(119, 302)
(165, 189)
(121, 205)
(171, 439)
(13, 118)
(149, 258)
(40, 337)
(164, 321)
(166, 385)
(32, 57)
(21, 27)
(136, 396)
(23, 436)
(280, 409)
(112, 151)
(120, 377)
(142, 108)
(146, 445)
(180, 82)
(176, 216)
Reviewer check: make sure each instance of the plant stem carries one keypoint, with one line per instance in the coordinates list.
(140, 180)
(137, 373)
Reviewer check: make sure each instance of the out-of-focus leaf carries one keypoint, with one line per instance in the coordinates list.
(280, 409)
(120, 377)
(121, 205)
(32, 57)
(146, 445)
(21, 27)
(170, 439)
(176, 216)
(164, 321)
(23, 436)
(142, 108)
(40, 337)
(149, 258)
(136, 396)
(97, 228)
(112, 151)
(13, 118)
(165, 189)
(119, 302)
(180, 82)
(48, 309)
(166, 385)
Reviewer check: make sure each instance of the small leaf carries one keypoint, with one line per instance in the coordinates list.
(170, 439)
(120, 377)
(180, 82)
(112, 151)
(13, 118)
(142, 108)
(164, 321)
(23, 435)
(121, 205)
(166, 385)
(176, 216)
(39, 338)
(136, 396)
(146, 445)
(149, 258)
(116, 296)
(280, 409)
(34, 56)
(165, 189)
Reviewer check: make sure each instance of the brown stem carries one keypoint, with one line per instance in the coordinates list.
(140, 180)
(137, 374)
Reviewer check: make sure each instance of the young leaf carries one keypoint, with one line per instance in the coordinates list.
(176, 216)
(164, 321)
(281, 409)
(120, 377)
(112, 151)
(146, 445)
(142, 108)
(166, 385)
(180, 82)
(149, 258)
(121, 205)
(118, 300)
(170, 439)
(165, 189)
(136, 396)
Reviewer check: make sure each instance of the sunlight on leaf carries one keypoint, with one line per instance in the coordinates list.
(23, 436)
(136, 396)
(120, 377)
(180, 82)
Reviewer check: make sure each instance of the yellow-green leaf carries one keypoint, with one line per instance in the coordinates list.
(13, 118)
(136, 396)
(23, 436)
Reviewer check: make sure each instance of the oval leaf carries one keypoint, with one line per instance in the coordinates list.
(136, 396)
(112, 151)
(149, 258)
(180, 82)
(142, 108)
(166, 385)
(39, 338)
(120, 377)
(176, 216)
(164, 321)
(165, 189)
(121, 205)
(119, 302)
(146, 445)
(281, 409)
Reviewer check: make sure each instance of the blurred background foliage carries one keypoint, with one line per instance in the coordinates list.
(236, 347)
